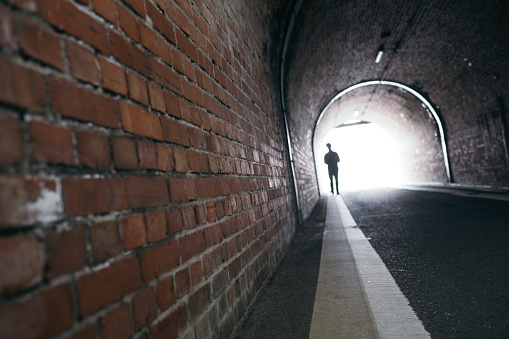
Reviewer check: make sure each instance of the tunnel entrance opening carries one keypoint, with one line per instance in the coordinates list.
(369, 157)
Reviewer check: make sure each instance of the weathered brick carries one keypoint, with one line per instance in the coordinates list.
(92, 196)
(188, 217)
(67, 17)
(175, 132)
(211, 211)
(12, 145)
(148, 38)
(21, 87)
(43, 314)
(100, 288)
(199, 211)
(193, 160)
(93, 149)
(21, 264)
(161, 23)
(137, 88)
(133, 231)
(105, 240)
(67, 252)
(128, 23)
(191, 245)
(207, 187)
(7, 38)
(124, 153)
(147, 191)
(174, 221)
(172, 325)
(113, 76)
(165, 293)
(213, 235)
(29, 200)
(196, 273)
(182, 282)
(129, 54)
(117, 323)
(140, 122)
(83, 104)
(199, 301)
(183, 189)
(166, 77)
(138, 6)
(146, 155)
(82, 62)
(156, 226)
(51, 143)
(181, 164)
(156, 97)
(40, 43)
(106, 9)
(159, 260)
(164, 158)
(144, 308)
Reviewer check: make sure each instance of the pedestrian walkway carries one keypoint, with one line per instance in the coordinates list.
(331, 284)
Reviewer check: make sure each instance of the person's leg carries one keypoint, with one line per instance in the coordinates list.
(331, 185)
(336, 177)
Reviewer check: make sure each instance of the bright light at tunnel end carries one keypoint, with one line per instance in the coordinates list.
(369, 158)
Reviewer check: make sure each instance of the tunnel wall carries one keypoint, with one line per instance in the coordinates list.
(144, 182)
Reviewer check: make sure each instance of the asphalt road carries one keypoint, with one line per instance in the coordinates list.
(448, 254)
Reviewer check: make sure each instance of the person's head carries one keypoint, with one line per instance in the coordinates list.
(328, 146)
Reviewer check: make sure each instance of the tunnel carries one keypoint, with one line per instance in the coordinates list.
(159, 157)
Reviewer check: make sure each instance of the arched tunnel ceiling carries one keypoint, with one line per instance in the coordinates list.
(455, 53)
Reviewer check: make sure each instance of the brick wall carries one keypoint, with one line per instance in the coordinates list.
(144, 182)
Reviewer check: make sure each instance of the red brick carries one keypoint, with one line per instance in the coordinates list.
(166, 77)
(208, 265)
(211, 211)
(105, 241)
(133, 231)
(185, 111)
(85, 333)
(82, 104)
(182, 282)
(50, 143)
(196, 273)
(93, 149)
(193, 160)
(174, 220)
(113, 76)
(128, 23)
(172, 325)
(137, 88)
(101, 288)
(12, 145)
(159, 260)
(124, 153)
(213, 235)
(156, 97)
(144, 308)
(204, 163)
(117, 323)
(138, 6)
(67, 17)
(156, 226)
(67, 252)
(191, 245)
(21, 264)
(106, 9)
(140, 122)
(172, 104)
(181, 164)
(207, 187)
(21, 87)
(162, 24)
(148, 38)
(41, 315)
(199, 301)
(183, 189)
(192, 93)
(146, 155)
(178, 60)
(188, 217)
(7, 38)
(163, 50)
(201, 217)
(82, 61)
(93, 196)
(40, 43)
(164, 158)
(175, 132)
(198, 139)
(129, 54)
(147, 191)
(165, 293)
(186, 45)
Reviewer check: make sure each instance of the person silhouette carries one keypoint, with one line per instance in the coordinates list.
(331, 159)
